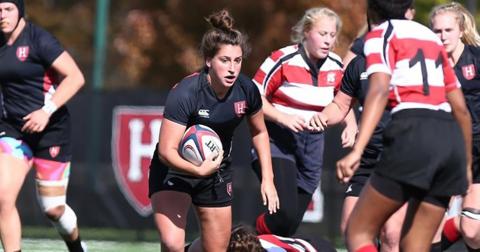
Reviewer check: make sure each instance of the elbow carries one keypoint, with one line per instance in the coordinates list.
(162, 155)
(81, 80)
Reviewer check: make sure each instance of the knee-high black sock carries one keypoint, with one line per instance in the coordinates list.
(285, 179)
(75, 246)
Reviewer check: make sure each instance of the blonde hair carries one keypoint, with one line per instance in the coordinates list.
(309, 18)
(465, 20)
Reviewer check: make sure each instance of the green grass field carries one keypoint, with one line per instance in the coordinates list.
(50, 245)
(55, 245)
(45, 239)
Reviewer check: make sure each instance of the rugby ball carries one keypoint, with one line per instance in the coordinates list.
(198, 142)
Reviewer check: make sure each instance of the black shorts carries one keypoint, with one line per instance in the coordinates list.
(476, 159)
(425, 149)
(402, 193)
(356, 184)
(213, 191)
(53, 143)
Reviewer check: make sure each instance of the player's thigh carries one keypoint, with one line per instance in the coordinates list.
(368, 216)
(170, 213)
(422, 221)
(215, 225)
(395, 222)
(52, 169)
(348, 205)
(15, 162)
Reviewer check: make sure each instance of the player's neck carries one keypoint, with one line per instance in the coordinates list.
(457, 52)
(219, 90)
(12, 37)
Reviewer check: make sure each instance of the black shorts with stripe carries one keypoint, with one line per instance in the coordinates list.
(425, 149)
(213, 191)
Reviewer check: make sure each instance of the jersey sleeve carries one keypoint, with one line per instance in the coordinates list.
(378, 51)
(351, 78)
(49, 48)
(268, 77)
(179, 105)
(451, 81)
(254, 99)
(357, 45)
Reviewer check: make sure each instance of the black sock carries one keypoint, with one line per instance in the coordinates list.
(436, 247)
(74, 246)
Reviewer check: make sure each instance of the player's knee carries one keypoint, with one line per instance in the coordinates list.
(390, 238)
(55, 213)
(6, 205)
(67, 222)
(172, 243)
(471, 234)
(470, 227)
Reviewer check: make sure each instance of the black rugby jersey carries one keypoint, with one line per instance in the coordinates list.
(358, 44)
(193, 101)
(26, 76)
(467, 71)
(355, 84)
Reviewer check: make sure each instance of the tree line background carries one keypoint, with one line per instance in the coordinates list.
(153, 44)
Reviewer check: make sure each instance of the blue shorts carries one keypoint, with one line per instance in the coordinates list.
(305, 149)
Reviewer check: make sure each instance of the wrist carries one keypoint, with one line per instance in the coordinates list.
(49, 107)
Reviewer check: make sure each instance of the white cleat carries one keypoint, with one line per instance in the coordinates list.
(84, 246)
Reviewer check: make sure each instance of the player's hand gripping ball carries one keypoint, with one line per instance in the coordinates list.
(198, 143)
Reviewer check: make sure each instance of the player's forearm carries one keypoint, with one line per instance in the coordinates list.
(262, 147)
(270, 112)
(261, 143)
(339, 109)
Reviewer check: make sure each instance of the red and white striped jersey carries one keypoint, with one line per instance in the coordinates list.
(296, 85)
(276, 243)
(414, 56)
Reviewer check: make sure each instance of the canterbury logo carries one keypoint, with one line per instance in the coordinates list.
(204, 113)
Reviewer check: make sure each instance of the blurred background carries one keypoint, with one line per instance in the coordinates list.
(132, 53)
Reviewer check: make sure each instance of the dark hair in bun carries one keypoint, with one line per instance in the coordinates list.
(222, 33)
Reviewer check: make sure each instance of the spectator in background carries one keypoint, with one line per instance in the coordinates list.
(219, 97)
(37, 77)
(456, 28)
(296, 82)
(424, 160)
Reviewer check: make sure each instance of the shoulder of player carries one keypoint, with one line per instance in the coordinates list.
(36, 31)
(189, 84)
(335, 59)
(473, 50)
(284, 53)
(357, 63)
